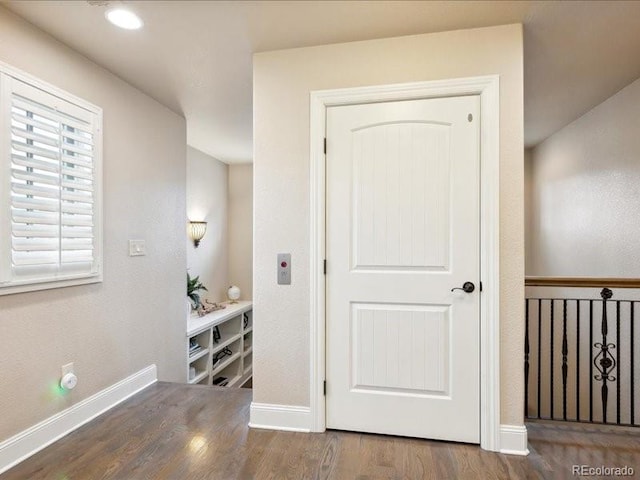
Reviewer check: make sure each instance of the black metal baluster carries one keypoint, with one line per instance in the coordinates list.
(605, 357)
(632, 361)
(578, 360)
(618, 361)
(590, 363)
(565, 367)
(551, 364)
(604, 361)
(539, 355)
(526, 359)
(604, 329)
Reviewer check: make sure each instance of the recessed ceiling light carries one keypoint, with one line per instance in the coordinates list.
(124, 19)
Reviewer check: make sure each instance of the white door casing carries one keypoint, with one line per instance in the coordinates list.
(487, 88)
(402, 231)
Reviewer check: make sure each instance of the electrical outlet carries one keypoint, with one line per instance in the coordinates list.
(68, 368)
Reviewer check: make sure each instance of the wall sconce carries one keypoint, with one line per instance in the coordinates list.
(197, 231)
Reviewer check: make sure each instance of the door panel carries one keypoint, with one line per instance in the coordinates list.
(402, 231)
(400, 349)
(400, 194)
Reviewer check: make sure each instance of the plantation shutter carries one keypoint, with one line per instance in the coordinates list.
(52, 186)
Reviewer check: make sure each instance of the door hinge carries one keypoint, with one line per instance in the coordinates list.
(324, 266)
(480, 286)
(325, 145)
(324, 388)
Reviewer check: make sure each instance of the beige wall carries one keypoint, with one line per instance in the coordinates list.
(586, 192)
(282, 82)
(241, 228)
(528, 213)
(136, 316)
(207, 194)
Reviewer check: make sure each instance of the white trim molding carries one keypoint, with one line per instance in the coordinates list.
(488, 88)
(30, 441)
(513, 440)
(66, 105)
(280, 417)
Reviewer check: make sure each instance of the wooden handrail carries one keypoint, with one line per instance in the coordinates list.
(582, 282)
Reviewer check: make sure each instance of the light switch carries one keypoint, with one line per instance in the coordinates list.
(137, 248)
(284, 269)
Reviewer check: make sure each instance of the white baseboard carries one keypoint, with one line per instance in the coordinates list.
(513, 440)
(32, 440)
(280, 417)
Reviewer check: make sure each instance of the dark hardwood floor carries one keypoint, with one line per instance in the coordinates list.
(173, 431)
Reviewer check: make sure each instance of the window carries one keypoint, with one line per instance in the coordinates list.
(50, 186)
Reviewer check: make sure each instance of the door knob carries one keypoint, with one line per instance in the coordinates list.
(467, 287)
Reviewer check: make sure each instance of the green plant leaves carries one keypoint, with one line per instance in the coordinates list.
(193, 287)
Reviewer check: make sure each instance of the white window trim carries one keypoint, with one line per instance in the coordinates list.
(19, 286)
(488, 88)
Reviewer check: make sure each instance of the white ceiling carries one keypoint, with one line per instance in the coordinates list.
(195, 56)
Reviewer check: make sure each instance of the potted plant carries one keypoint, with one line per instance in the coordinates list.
(194, 285)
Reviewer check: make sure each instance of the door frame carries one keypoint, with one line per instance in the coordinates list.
(488, 88)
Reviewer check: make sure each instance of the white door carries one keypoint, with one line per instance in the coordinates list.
(402, 231)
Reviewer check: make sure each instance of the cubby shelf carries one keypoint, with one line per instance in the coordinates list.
(200, 354)
(236, 381)
(223, 365)
(228, 323)
(229, 340)
(199, 377)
